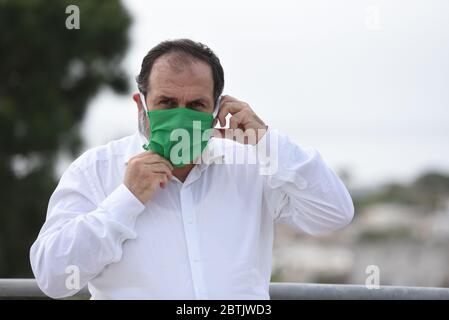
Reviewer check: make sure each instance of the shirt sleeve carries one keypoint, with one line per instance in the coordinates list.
(300, 189)
(80, 237)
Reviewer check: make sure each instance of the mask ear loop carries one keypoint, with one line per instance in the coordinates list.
(217, 107)
(145, 107)
(144, 103)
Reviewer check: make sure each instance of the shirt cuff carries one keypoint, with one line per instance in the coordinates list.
(122, 206)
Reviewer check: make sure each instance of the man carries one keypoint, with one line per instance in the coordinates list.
(136, 224)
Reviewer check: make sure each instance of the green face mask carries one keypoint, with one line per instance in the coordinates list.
(179, 134)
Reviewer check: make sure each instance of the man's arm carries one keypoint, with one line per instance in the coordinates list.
(299, 189)
(303, 191)
(81, 235)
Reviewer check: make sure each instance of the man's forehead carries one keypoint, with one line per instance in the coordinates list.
(176, 88)
(180, 63)
(195, 78)
(177, 61)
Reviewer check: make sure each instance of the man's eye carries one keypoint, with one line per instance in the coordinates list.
(197, 105)
(167, 102)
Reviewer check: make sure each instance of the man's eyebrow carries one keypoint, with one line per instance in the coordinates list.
(202, 100)
(163, 97)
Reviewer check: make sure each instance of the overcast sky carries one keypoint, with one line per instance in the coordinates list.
(366, 83)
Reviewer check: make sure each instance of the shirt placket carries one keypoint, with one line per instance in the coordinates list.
(191, 233)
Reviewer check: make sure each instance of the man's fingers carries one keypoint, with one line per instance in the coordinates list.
(228, 98)
(158, 159)
(237, 120)
(161, 179)
(149, 157)
(160, 168)
(231, 107)
(233, 123)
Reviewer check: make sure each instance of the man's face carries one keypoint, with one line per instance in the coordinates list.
(179, 81)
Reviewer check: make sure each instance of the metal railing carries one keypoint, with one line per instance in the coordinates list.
(28, 289)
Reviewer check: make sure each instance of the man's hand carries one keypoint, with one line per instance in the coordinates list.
(145, 173)
(244, 125)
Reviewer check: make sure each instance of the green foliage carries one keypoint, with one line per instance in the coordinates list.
(48, 75)
(429, 191)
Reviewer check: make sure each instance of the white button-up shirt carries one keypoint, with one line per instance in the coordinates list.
(210, 237)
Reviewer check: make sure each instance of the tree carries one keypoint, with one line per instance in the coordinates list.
(48, 74)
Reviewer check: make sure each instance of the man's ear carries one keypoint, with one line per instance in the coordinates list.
(136, 98)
